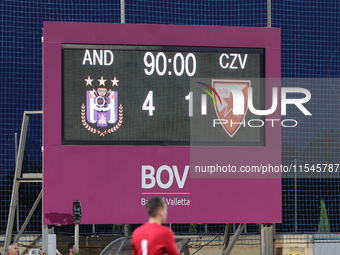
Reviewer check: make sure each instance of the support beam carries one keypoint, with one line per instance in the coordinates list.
(76, 237)
(186, 241)
(234, 239)
(17, 174)
(127, 229)
(122, 11)
(16, 156)
(269, 13)
(267, 237)
(227, 233)
(16, 184)
(36, 177)
(16, 240)
(47, 230)
(44, 234)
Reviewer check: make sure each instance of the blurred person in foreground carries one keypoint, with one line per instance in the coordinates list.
(13, 249)
(71, 248)
(152, 238)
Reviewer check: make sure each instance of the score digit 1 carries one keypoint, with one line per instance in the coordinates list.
(148, 103)
(189, 97)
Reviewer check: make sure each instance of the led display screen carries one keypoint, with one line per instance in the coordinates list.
(158, 95)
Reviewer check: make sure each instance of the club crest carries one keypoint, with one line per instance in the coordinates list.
(224, 110)
(101, 113)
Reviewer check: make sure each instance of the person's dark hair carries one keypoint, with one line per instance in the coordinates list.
(70, 246)
(153, 205)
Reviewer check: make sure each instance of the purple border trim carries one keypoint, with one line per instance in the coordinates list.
(68, 170)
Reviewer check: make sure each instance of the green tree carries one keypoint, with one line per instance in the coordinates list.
(259, 227)
(192, 228)
(323, 223)
(117, 228)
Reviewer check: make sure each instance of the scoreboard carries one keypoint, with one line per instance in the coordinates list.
(133, 111)
(136, 94)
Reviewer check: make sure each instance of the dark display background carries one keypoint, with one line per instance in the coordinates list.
(170, 123)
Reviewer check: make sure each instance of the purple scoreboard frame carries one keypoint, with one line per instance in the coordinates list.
(112, 193)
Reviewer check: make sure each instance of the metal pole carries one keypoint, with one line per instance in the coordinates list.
(295, 197)
(269, 13)
(16, 157)
(267, 236)
(122, 11)
(93, 228)
(76, 237)
(44, 233)
(127, 229)
(44, 228)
